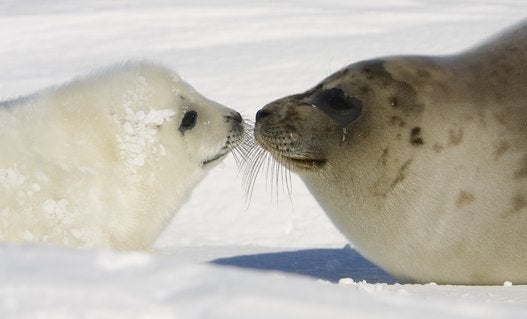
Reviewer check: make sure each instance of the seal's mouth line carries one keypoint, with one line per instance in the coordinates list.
(303, 162)
(289, 158)
(312, 163)
(224, 151)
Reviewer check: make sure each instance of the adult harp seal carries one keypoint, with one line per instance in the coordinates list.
(421, 161)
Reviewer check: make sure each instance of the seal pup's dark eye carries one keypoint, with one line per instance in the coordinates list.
(188, 121)
(338, 105)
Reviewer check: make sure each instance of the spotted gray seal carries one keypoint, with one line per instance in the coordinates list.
(420, 161)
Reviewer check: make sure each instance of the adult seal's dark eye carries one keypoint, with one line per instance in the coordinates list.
(338, 105)
(188, 121)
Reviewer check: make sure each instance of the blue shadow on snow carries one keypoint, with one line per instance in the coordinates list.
(325, 264)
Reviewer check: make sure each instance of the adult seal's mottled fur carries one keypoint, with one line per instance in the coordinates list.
(420, 161)
(106, 160)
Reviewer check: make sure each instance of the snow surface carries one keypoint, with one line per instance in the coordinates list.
(272, 255)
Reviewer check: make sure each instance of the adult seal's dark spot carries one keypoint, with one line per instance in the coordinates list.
(406, 155)
(415, 136)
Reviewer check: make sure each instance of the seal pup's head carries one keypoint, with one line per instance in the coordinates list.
(171, 119)
(200, 119)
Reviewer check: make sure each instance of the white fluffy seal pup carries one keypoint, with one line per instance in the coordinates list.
(106, 160)
(420, 161)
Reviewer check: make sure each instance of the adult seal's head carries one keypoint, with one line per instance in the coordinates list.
(420, 161)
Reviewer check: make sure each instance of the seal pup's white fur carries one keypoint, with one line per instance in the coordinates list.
(106, 160)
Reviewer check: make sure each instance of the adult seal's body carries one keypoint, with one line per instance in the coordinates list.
(106, 160)
(420, 161)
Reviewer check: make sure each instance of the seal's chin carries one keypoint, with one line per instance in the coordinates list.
(224, 151)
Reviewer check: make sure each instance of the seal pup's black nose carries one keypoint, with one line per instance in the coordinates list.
(235, 116)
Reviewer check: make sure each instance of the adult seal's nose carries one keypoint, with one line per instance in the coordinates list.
(261, 114)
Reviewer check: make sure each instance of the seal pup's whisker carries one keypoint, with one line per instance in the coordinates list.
(241, 152)
(256, 158)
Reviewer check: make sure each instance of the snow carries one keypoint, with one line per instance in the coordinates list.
(275, 254)
(83, 284)
(140, 135)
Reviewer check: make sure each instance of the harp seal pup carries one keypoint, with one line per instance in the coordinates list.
(420, 161)
(106, 160)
